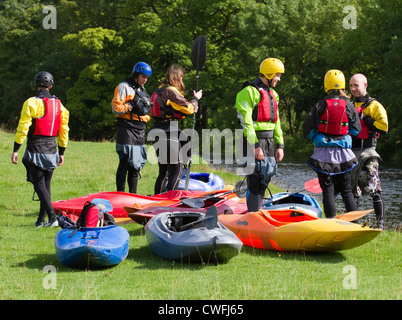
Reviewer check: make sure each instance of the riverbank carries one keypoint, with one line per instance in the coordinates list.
(369, 272)
(291, 176)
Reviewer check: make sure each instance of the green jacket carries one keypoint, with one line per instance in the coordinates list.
(246, 100)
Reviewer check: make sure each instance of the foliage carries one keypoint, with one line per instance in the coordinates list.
(94, 47)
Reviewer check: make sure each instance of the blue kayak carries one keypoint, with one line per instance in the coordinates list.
(287, 200)
(92, 247)
(200, 181)
(191, 236)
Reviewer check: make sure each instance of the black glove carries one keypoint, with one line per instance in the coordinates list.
(369, 122)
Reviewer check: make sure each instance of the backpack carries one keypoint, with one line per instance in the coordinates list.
(90, 216)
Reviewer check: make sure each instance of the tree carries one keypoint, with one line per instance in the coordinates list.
(94, 47)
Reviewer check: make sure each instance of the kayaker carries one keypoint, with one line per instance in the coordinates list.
(131, 106)
(257, 109)
(168, 106)
(330, 124)
(43, 118)
(374, 121)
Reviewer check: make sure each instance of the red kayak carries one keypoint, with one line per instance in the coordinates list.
(135, 202)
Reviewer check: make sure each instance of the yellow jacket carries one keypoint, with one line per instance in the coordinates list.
(33, 108)
(174, 98)
(121, 107)
(377, 112)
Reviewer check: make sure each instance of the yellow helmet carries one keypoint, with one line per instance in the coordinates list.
(334, 79)
(270, 66)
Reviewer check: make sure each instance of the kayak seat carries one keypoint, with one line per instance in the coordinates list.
(282, 217)
(267, 215)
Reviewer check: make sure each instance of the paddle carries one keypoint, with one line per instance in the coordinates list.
(353, 215)
(198, 55)
(311, 185)
(210, 220)
(240, 189)
(103, 204)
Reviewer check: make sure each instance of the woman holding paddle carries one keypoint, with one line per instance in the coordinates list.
(168, 106)
(330, 124)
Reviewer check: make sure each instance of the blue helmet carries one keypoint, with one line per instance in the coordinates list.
(142, 67)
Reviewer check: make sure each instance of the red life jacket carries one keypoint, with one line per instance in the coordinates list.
(267, 108)
(90, 216)
(49, 124)
(160, 111)
(334, 120)
(364, 132)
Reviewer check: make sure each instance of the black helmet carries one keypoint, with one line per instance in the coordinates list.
(43, 79)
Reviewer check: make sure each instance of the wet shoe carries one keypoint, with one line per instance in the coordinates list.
(52, 224)
(380, 224)
(38, 224)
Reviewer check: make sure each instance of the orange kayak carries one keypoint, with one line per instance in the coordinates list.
(290, 230)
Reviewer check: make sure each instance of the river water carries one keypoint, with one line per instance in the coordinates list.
(291, 177)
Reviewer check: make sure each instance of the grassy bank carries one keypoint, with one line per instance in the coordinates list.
(254, 274)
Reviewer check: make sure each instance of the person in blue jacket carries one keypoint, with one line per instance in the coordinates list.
(330, 124)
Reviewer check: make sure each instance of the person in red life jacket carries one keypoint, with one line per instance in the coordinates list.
(131, 106)
(374, 121)
(43, 118)
(257, 110)
(330, 124)
(168, 106)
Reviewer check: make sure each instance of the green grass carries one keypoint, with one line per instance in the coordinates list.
(253, 274)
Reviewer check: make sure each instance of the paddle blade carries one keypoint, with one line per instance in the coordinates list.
(130, 209)
(211, 218)
(103, 204)
(240, 189)
(199, 52)
(193, 202)
(312, 186)
(353, 215)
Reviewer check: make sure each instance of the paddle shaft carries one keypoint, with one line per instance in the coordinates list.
(198, 54)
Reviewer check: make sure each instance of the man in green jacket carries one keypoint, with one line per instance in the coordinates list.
(257, 109)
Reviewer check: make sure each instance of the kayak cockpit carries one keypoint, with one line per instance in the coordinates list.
(282, 217)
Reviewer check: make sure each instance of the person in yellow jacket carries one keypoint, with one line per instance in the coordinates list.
(374, 121)
(257, 110)
(131, 105)
(43, 118)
